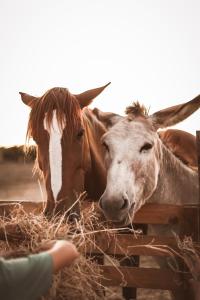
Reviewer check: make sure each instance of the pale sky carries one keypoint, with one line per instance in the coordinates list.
(148, 49)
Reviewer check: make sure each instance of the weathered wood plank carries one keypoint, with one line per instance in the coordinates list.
(127, 245)
(152, 213)
(115, 245)
(148, 278)
(149, 214)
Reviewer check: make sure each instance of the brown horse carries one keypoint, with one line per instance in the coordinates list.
(182, 144)
(140, 167)
(69, 152)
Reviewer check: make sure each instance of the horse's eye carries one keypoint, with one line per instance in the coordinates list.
(80, 133)
(146, 147)
(105, 146)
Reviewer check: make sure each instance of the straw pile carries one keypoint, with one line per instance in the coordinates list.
(190, 253)
(22, 234)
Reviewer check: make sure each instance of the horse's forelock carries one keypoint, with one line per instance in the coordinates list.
(67, 109)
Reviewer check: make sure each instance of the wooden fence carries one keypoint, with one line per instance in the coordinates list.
(150, 278)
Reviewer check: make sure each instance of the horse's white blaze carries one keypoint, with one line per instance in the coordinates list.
(55, 154)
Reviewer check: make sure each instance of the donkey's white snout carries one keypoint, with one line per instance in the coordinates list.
(114, 207)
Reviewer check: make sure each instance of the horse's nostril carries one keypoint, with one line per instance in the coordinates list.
(125, 203)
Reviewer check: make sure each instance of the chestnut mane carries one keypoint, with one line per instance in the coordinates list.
(67, 110)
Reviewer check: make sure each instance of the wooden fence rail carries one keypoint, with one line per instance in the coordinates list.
(148, 278)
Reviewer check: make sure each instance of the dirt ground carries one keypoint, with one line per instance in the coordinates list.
(18, 183)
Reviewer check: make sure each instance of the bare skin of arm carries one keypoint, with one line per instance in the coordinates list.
(63, 253)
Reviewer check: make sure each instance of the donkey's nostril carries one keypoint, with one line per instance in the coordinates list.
(132, 205)
(125, 203)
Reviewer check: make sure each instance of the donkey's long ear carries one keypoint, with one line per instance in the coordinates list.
(28, 99)
(107, 118)
(86, 98)
(175, 114)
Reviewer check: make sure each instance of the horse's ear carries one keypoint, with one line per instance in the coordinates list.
(28, 99)
(175, 114)
(86, 98)
(107, 118)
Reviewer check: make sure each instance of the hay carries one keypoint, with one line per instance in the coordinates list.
(190, 253)
(24, 233)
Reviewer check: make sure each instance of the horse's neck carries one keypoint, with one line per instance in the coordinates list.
(177, 184)
(95, 179)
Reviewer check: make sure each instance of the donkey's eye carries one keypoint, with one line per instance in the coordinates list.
(105, 146)
(80, 133)
(146, 147)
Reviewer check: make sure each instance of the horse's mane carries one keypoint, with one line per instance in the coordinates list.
(172, 161)
(137, 109)
(91, 120)
(67, 110)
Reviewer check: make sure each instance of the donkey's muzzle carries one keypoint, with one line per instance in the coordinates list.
(115, 208)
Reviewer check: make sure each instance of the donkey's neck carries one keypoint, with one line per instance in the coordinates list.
(177, 184)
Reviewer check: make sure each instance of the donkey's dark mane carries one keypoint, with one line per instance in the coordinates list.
(63, 102)
(137, 109)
